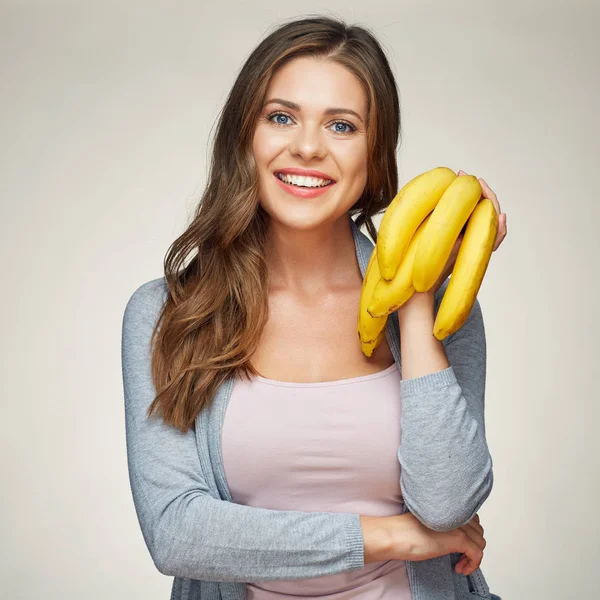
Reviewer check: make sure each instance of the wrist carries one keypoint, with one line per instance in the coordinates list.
(377, 534)
(419, 302)
(401, 532)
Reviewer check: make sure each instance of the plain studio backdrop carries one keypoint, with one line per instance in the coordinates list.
(107, 114)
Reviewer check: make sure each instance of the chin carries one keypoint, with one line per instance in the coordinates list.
(295, 212)
(299, 218)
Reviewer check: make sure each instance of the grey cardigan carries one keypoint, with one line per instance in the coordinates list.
(211, 546)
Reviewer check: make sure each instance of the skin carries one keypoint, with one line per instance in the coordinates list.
(310, 252)
(311, 249)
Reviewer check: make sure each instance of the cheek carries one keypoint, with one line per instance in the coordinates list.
(355, 160)
(266, 146)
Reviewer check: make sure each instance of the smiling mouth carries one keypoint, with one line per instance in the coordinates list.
(306, 187)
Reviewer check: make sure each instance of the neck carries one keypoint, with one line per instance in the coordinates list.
(311, 262)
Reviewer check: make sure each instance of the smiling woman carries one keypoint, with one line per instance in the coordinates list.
(259, 477)
(312, 89)
(307, 138)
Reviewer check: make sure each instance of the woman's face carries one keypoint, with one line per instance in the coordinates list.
(305, 137)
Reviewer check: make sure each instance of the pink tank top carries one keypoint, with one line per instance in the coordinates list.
(328, 446)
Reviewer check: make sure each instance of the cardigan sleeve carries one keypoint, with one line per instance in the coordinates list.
(445, 465)
(188, 532)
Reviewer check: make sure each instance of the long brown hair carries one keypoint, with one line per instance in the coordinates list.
(217, 305)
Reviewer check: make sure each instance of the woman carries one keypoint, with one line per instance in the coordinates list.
(251, 412)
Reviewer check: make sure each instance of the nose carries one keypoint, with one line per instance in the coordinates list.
(307, 143)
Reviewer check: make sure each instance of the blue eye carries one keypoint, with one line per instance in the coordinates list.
(281, 114)
(278, 115)
(343, 123)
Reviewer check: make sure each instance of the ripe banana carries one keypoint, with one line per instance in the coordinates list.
(369, 347)
(405, 213)
(370, 329)
(472, 261)
(446, 222)
(416, 236)
(389, 296)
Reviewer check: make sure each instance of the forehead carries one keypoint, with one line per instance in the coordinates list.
(316, 84)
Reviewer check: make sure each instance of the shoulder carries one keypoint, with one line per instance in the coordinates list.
(146, 300)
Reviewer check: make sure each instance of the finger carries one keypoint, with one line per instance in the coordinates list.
(465, 566)
(462, 564)
(475, 525)
(475, 534)
(470, 560)
(473, 555)
(497, 241)
(489, 193)
(474, 522)
(501, 233)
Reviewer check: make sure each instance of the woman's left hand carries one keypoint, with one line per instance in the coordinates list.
(487, 192)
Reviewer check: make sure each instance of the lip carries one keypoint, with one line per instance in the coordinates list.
(304, 173)
(301, 192)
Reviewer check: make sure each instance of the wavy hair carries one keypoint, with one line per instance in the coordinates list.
(217, 303)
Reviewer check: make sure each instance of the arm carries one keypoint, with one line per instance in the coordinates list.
(188, 532)
(381, 541)
(446, 467)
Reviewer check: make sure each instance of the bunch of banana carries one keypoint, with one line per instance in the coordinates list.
(415, 239)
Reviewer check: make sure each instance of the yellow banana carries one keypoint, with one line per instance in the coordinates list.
(388, 296)
(471, 264)
(369, 328)
(415, 239)
(369, 347)
(447, 220)
(405, 213)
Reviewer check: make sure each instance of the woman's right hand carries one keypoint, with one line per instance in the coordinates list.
(413, 541)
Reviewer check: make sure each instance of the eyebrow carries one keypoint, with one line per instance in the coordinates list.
(329, 111)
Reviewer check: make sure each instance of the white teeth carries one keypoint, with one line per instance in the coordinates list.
(303, 181)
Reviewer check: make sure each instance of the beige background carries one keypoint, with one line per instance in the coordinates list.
(107, 110)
